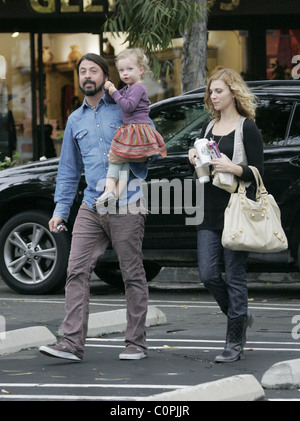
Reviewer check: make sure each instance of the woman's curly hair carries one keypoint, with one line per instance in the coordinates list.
(245, 101)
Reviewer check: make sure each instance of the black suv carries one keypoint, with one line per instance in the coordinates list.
(33, 260)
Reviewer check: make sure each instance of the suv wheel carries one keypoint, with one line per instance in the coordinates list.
(32, 259)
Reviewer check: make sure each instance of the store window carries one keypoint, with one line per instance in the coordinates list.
(15, 97)
(39, 86)
(59, 82)
(58, 93)
(281, 46)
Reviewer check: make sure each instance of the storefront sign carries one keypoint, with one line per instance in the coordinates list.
(67, 6)
(52, 16)
(24, 9)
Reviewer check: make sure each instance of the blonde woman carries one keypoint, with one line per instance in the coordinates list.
(137, 139)
(232, 107)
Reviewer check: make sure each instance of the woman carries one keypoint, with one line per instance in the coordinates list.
(232, 107)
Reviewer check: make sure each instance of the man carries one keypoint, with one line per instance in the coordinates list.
(86, 144)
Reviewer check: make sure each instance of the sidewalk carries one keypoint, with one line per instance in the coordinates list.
(186, 275)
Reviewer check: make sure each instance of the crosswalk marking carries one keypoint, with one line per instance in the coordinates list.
(107, 343)
(94, 386)
(121, 302)
(191, 340)
(15, 396)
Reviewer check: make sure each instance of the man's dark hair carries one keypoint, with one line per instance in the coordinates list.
(96, 59)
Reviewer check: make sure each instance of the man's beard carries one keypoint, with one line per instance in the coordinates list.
(94, 91)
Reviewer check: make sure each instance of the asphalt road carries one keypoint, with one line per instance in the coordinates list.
(181, 352)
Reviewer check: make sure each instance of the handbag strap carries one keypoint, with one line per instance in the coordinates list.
(239, 154)
(260, 187)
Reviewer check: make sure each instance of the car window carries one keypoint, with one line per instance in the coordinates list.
(294, 135)
(272, 117)
(180, 125)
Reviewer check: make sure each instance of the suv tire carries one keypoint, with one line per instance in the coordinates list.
(33, 260)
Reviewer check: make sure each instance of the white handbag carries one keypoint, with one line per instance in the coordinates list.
(253, 225)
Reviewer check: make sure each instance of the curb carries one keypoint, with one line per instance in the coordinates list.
(115, 321)
(282, 375)
(236, 388)
(16, 340)
(190, 276)
(99, 323)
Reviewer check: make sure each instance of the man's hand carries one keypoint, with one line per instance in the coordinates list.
(54, 222)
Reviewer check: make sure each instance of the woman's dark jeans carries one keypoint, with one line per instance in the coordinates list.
(231, 291)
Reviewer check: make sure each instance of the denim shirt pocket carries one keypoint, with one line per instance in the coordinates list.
(113, 126)
(83, 142)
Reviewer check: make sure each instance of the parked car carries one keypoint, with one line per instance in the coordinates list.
(33, 260)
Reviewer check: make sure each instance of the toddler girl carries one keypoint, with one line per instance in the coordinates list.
(136, 139)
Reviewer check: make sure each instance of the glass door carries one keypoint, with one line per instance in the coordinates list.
(15, 97)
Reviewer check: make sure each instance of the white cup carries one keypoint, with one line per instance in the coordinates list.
(203, 161)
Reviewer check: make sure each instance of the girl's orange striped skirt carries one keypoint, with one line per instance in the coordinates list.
(138, 141)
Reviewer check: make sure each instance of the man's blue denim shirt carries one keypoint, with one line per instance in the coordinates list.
(86, 145)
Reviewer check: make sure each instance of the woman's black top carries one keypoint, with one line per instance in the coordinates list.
(216, 199)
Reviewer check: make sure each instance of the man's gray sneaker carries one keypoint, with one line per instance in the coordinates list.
(59, 351)
(132, 352)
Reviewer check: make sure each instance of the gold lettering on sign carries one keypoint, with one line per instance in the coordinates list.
(44, 6)
(65, 7)
(48, 6)
(88, 6)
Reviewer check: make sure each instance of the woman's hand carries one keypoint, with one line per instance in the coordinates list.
(192, 155)
(224, 164)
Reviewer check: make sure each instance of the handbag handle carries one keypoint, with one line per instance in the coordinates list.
(260, 187)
